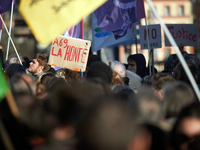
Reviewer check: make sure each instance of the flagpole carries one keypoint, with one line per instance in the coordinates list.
(11, 40)
(82, 29)
(173, 43)
(1, 27)
(148, 46)
(0, 34)
(11, 16)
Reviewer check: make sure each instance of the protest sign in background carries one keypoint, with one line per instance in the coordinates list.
(154, 33)
(50, 18)
(71, 53)
(187, 34)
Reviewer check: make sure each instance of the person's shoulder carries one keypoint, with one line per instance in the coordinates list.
(132, 75)
(30, 74)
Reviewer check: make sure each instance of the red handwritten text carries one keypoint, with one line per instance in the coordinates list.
(71, 53)
(182, 34)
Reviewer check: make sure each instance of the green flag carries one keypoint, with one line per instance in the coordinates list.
(3, 84)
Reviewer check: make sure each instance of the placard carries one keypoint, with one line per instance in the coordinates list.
(154, 33)
(186, 34)
(71, 53)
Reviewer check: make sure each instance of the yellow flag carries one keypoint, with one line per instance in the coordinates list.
(49, 18)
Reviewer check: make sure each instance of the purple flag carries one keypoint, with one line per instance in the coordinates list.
(76, 31)
(5, 5)
(117, 16)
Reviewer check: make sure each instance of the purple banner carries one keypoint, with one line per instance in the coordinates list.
(76, 31)
(5, 5)
(117, 16)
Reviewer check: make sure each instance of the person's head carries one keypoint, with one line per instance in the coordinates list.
(53, 82)
(149, 105)
(186, 130)
(193, 59)
(159, 80)
(123, 92)
(116, 79)
(22, 83)
(14, 59)
(147, 80)
(132, 66)
(39, 64)
(62, 112)
(170, 63)
(176, 96)
(41, 91)
(69, 75)
(100, 70)
(180, 74)
(44, 77)
(14, 68)
(108, 125)
(119, 68)
(92, 58)
(137, 64)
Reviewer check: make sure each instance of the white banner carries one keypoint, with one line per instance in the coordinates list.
(187, 34)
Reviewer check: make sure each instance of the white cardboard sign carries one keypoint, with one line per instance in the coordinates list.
(71, 53)
(154, 32)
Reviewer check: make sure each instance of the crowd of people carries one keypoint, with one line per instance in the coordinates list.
(108, 107)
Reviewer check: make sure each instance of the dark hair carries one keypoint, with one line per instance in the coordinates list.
(180, 74)
(177, 136)
(123, 92)
(45, 77)
(161, 79)
(176, 96)
(14, 68)
(140, 62)
(69, 75)
(100, 70)
(42, 60)
(92, 58)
